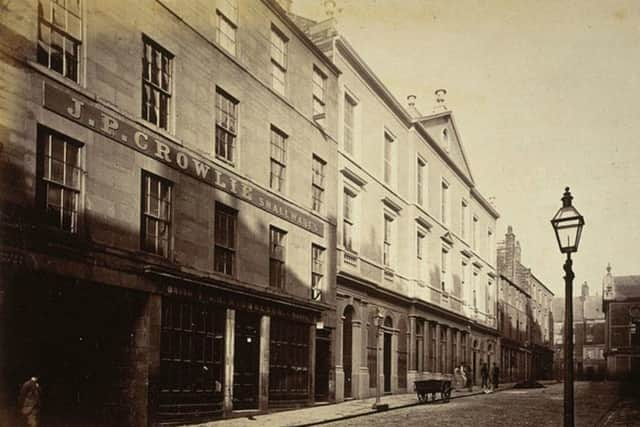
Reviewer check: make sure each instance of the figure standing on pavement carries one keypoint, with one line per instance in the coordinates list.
(463, 376)
(469, 377)
(495, 375)
(29, 401)
(484, 375)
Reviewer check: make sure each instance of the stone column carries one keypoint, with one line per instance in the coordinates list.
(411, 360)
(312, 364)
(263, 379)
(339, 367)
(229, 344)
(155, 327)
(363, 368)
(356, 340)
(426, 346)
(459, 355)
(394, 361)
(449, 350)
(436, 351)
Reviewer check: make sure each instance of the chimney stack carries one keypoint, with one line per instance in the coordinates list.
(440, 94)
(585, 289)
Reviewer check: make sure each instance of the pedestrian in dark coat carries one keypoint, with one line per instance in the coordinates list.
(29, 401)
(484, 375)
(495, 375)
(469, 373)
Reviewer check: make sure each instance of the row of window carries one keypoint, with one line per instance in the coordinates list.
(59, 173)
(348, 225)
(59, 45)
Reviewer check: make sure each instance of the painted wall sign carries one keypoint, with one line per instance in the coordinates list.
(85, 112)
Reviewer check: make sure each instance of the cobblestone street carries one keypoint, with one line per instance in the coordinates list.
(536, 407)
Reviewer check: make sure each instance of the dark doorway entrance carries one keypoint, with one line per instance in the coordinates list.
(387, 362)
(386, 355)
(323, 365)
(347, 347)
(246, 360)
(80, 340)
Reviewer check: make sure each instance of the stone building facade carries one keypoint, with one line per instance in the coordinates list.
(525, 319)
(416, 279)
(621, 306)
(588, 336)
(168, 209)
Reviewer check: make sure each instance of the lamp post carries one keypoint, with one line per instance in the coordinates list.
(567, 224)
(378, 323)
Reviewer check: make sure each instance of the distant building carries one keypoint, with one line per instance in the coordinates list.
(524, 316)
(621, 305)
(588, 336)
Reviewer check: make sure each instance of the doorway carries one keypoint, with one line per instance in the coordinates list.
(323, 365)
(386, 356)
(246, 361)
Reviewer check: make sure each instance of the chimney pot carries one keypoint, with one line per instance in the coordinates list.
(440, 93)
(411, 100)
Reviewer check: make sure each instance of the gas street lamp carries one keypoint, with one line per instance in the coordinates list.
(567, 224)
(378, 406)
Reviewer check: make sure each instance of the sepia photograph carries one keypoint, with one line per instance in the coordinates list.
(341, 213)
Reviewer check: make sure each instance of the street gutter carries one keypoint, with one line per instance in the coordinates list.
(392, 408)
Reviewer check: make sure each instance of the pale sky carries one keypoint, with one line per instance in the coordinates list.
(545, 93)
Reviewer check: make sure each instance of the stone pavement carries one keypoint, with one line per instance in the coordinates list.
(626, 413)
(323, 413)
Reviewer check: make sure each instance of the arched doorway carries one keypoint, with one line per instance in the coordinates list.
(347, 348)
(386, 355)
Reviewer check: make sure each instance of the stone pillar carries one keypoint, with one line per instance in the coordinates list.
(412, 361)
(449, 350)
(155, 328)
(356, 341)
(363, 368)
(459, 355)
(229, 344)
(436, 351)
(263, 380)
(426, 345)
(312, 364)
(339, 367)
(394, 361)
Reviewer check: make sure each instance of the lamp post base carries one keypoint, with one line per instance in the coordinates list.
(380, 406)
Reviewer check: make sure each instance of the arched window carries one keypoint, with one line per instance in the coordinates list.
(445, 139)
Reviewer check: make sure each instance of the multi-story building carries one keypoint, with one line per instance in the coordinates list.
(168, 209)
(621, 306)
(588, 336)
(416, 280)
(524, 316)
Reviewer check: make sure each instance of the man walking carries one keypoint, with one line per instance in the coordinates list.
(29, 401)
(484, 375)
(495, 375)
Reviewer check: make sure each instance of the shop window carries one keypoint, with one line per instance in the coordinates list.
(59, 179)
(225, 239)
(156, 214)
(156, 84)
(191, 358)
(288, 361)
(60, 36)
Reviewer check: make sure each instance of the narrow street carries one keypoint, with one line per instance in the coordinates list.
(535, 407)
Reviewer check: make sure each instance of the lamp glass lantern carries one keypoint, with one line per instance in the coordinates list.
(567, 224)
